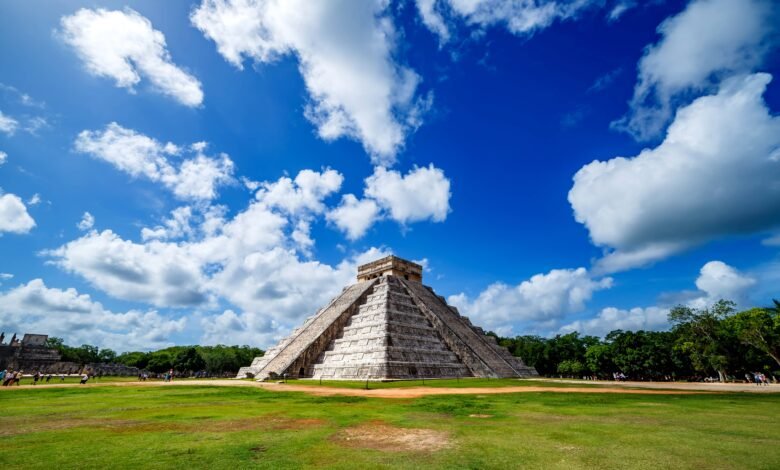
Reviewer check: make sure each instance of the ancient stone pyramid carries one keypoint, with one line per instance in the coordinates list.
(387, 326)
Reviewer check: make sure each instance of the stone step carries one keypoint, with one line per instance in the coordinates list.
(380, 316)
(389, 326)
(392, 352)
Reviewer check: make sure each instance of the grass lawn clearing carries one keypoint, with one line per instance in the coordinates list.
(239, 427)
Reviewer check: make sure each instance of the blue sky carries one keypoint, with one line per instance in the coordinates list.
(213, 172)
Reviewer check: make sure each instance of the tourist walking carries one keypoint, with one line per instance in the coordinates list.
(8, 378)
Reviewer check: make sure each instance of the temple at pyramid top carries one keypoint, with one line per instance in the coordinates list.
(390, 266)
(387, 326)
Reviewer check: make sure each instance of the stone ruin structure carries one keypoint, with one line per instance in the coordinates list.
(31, 353)
(388, 326)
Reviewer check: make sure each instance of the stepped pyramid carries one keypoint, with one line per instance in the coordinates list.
(387, 326)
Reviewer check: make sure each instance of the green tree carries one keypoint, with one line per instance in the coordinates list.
(189, 360)
(160, 361)
(54, 342)
(598, 358)
(702, 334)
(570, 368)
(760, 328)
(107, 355)
(134, 359)
(531, 349)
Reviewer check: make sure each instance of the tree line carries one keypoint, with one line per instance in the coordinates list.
(715, 341)
(214, 360)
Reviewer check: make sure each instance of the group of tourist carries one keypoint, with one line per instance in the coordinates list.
(10, 378)
(40, 376)
(759, 378)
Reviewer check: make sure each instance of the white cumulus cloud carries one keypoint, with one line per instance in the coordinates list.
(162, 274)
(345, 50)
(80, 320)
(14, 217)
(3, 157)
(87, 222)
(709, 40)
(195, 178)
(715, 174)
(198, 258)
(611, 318)
(717, 280)
(354, 217)
(539, 302)
(8, 125)
(124, 46)
(422, 194)
(520, 17)
(302, 195)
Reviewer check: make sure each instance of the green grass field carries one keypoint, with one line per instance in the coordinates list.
(237, 427)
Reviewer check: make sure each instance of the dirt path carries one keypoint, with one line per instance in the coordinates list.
(642, 388)
(416, 392)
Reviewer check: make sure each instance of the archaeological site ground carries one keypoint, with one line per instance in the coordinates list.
(557, 425)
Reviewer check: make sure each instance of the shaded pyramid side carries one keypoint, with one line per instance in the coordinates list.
(388, 337)
(477, 351)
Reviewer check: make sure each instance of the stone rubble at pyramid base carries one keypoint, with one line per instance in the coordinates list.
(387, 328)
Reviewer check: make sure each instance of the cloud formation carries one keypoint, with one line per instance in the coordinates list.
(538, 303)
(692, 187)
(353, 216)
(422, 194)
(519, 17)
(709, 40)
(8, 125)
(611, 318)
(717, 280)
(80, 320)
(124, 46)
(195, 178)
(199, 259)
(357, 88)
(14, 217)
(87, 222)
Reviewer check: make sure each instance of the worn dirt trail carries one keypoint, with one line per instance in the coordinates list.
(640, 388)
